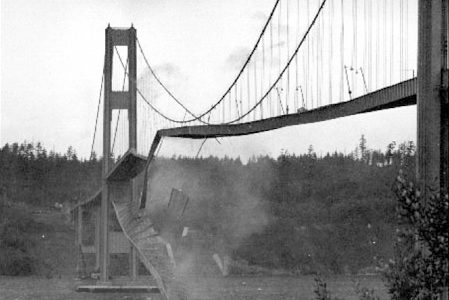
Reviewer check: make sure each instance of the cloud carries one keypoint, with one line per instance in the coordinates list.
(237, 58)
(165, 72)
(279, 44)
(167, 69)
(168, 73)
(259, 15)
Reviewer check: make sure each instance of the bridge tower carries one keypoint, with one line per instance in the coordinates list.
(116, 100)
(432, 95)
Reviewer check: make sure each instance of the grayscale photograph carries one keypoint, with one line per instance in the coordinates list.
(209, 149)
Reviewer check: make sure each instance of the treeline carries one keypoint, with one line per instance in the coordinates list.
(31, 174)
(32, 178)
(306, 213)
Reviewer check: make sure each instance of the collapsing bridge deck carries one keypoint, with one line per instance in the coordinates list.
(401, 94)
(398, 95)
(151, 248)
(140, 232)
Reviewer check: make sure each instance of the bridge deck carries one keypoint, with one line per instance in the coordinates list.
(128, 166)
(151, 248)
(401, 94)
(139, 230)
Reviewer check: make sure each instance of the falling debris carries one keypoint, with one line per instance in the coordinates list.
(218, 262)
(185, 231)
(301, 110)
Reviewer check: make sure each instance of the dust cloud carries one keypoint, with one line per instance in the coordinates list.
(224, 209)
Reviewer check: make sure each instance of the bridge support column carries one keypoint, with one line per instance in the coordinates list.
(133, 260)
(433, 123)
(432, 98)
(97, 238)
(121, 100)
(133, 263)
(79, 226)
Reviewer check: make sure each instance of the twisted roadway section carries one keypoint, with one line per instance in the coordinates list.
(151, 248)
(401, 94)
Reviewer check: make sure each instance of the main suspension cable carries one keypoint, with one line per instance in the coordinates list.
(148, 102)
(123, 89)
(195, 118)
(286, 66)
(266, 93)
(96, 118)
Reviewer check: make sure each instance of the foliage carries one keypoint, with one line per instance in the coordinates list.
(15, 246)
(421, 265)
(321, 291)
(15, 262)
(302, 213)
(31, 174)
(365, 293)
(33, 178)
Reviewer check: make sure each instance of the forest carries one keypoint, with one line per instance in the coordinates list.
(302, 213)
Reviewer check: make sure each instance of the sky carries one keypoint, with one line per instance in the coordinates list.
(52, 59)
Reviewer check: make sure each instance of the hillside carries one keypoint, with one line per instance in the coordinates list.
(302, 213)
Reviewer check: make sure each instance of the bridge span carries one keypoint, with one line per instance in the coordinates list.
(256, 92)
(398, 95)
(401, 94)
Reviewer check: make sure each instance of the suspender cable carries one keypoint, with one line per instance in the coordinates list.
(236, 102)
(406, 39)
(271, 67)
(248, 89)
(384, 63)
(230, 86)
(96, 118)
(201, 147)
(255, 84)
(123, 89)
(342, 41)
(306, 34)
(296, 57)
(287, 95)
(370, 55)
(241, 98)
(230, 104)
(366, 36)
(354, 44)
(320, 57)
(287, 65)
(377, 46)
(152, 106)
(401, 39)
(158, 137)
(262, 76)
(280, 99)
(331, 48)
(279, 50)
(317, 63)
(391, 42)
(307, 57)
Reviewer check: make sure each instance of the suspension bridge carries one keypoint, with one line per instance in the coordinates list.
(314, 60)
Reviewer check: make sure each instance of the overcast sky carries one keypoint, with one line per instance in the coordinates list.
(52, 58)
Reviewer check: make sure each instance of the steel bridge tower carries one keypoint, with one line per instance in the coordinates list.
(116, 100)
(432, 95)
